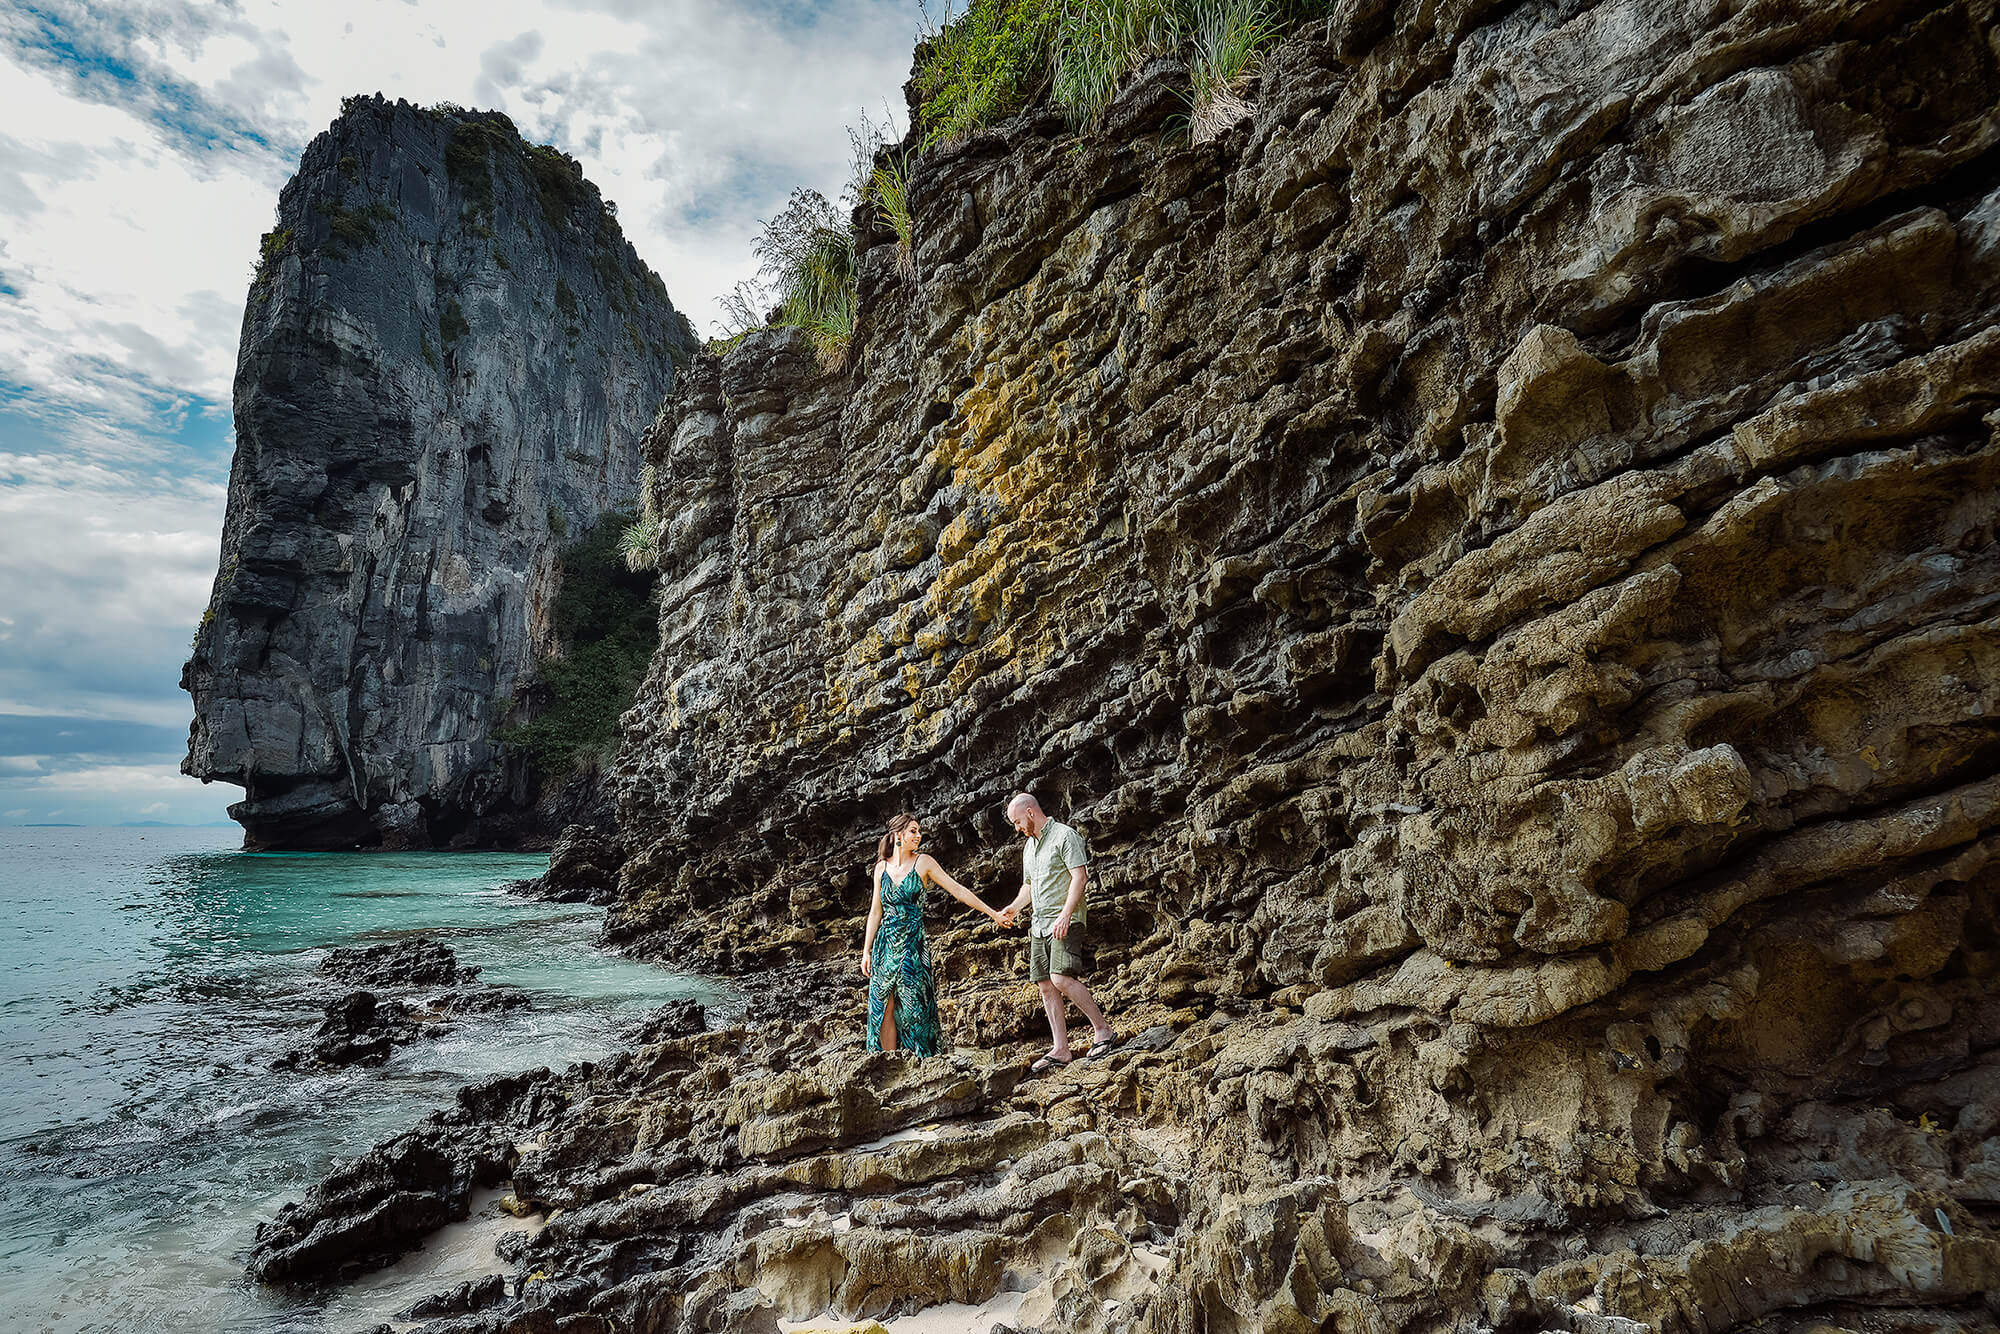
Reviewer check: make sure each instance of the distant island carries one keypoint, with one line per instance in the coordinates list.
(126, 824)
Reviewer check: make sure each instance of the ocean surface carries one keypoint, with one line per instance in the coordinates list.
(148, 978)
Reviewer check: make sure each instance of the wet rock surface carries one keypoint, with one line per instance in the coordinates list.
(414, 961)
(447, 357)
(369, 1212)
(583, 866)
(675, 1019)
(1496, 554)
(362, 1028)
(471, 1295)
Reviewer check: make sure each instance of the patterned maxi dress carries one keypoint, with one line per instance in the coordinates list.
(902, 967)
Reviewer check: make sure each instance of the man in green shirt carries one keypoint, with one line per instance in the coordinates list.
(1055, 868)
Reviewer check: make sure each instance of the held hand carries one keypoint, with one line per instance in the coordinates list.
(1062, 926)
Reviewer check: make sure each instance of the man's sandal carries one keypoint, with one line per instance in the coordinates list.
(1103, 1046)
(1044, 1064)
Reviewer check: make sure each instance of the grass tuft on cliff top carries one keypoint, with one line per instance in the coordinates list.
(805, 264)
(998, 56)
(1228, 36)
(975, 67)
(807, 255)
(986, 65)
(1098, 44)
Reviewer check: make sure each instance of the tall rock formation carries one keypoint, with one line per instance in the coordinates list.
(448, 353)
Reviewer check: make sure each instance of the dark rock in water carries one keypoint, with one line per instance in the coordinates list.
(449, 354)
(675, 1019)
(368, 1212)
(486, 999)
(583, 866)
(528, 1098)
(359, 1029)
(472, 1295)
(415, 961)
(372, 1211)
(362, 1028)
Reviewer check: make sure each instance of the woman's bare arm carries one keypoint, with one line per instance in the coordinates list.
(937, 875)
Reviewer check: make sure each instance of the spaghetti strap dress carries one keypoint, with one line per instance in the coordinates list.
(901, 967)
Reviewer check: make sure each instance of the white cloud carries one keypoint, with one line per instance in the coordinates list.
(128, 260)
(694, 116)
(100, 779)
(114, 793)
(107, 577)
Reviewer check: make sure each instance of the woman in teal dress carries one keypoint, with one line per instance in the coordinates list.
(895, 957)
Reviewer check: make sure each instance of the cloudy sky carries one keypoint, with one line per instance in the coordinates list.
(142, 147)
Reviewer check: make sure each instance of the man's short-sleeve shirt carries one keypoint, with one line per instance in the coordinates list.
(1046, 863)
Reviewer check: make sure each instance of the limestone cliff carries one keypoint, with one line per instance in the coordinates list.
(448, 353)
(1496, 553)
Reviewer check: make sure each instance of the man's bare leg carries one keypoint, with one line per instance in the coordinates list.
(1052, 1005)
(1079, 995)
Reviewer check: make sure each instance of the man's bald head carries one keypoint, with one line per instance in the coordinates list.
(1025, 814)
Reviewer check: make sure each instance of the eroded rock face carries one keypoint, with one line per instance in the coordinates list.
(446, 356)
(1497, 555)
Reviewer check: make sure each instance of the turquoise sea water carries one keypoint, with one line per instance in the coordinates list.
(148, 977)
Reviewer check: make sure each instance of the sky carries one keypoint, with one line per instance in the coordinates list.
(142, 147)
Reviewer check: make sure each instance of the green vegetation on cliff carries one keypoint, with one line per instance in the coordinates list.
(271, 250)
(988, 64)
(608, 626)
(639, 544)
(806, 277)
(1000, 56)
(479, 139)
(995, 59)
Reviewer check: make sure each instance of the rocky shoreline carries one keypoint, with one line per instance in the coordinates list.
(773, 1170)
(868, 1184)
